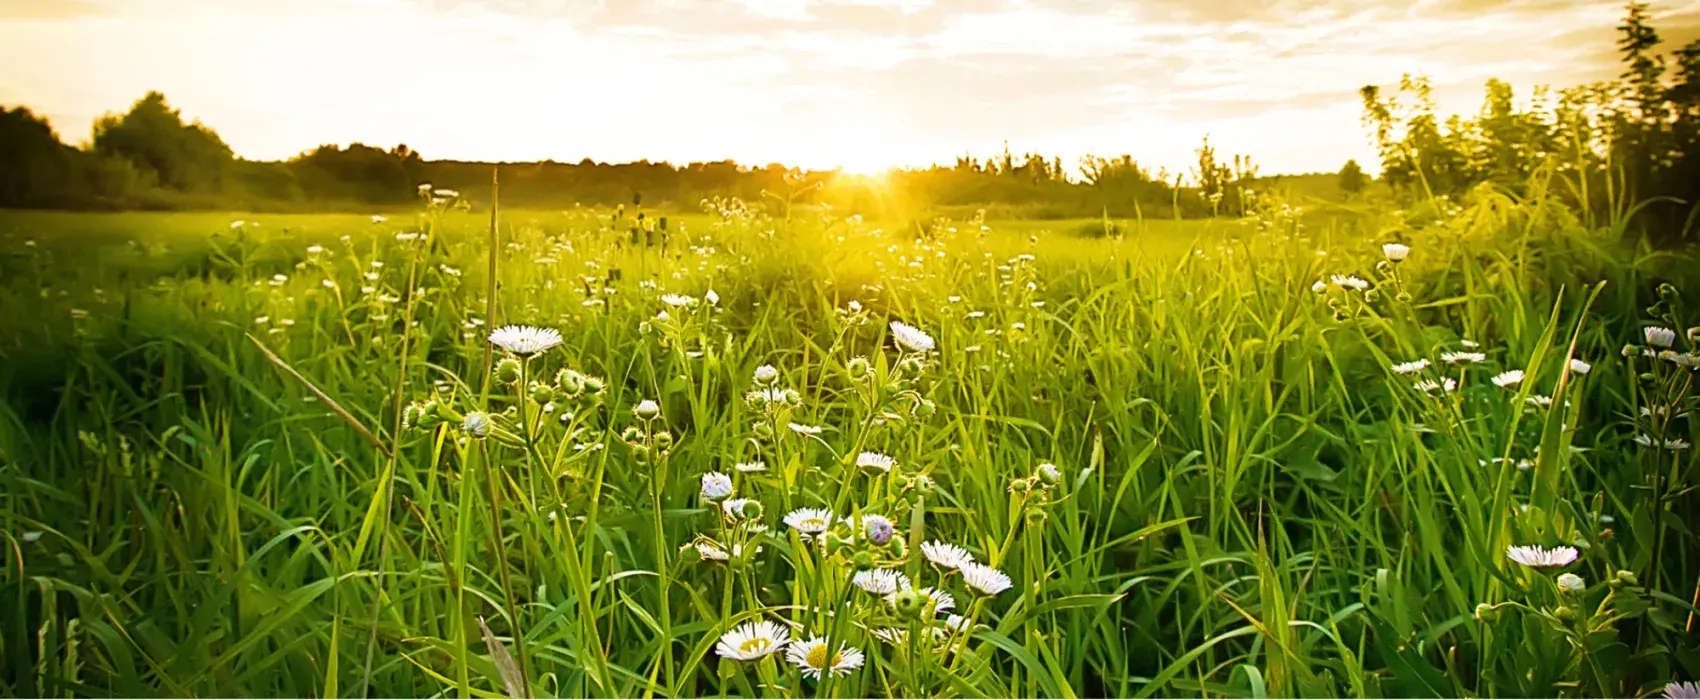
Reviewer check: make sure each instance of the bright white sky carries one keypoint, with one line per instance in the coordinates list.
(819, 83)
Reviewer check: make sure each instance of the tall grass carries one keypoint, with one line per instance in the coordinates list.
(1248, 499)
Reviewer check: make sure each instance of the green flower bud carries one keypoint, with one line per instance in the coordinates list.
(899, 550)
(1048, 473)
(542, 393)
(570, 382)
(858, 367)
(762, 431)
(507, 371)
(632, 435)
(863, 560)
(1035, 517)
(1486, 613)
(1566, 613)
(1624, 578)
(925, 408)
(908, 603)
(663, 440)
(593, 384)
(1019, 486)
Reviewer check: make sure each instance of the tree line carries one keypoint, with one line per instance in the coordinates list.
(1627, 148)
(151, 158)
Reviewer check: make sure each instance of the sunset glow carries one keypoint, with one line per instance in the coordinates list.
(861, 84)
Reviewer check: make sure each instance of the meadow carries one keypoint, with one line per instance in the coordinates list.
(1442, 451)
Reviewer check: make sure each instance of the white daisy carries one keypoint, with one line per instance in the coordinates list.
(1660, 336)
(984, 579)
(525, 340)
(1319, 286)
(880, 581)
(749, 467)
(1535, 556)
(1506, 380)
(1682, 691)
(678, 300)
(1395, 251)
(815, 657)
(948, 556)
(809, 521)
(801, 429)
(874, 462)
(711, 552)
(1411, 367)
(1462, 358)
(1580, 367)
(752, 641)
(1430, 386)
(937, 600)
(734, 507)
(716, 486)
(378, 219)
(910, 337)
(1348, 282)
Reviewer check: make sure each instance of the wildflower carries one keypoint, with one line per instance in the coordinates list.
(746, 508)
(936, 600)
(315, 250)
(1672, 444)
(1682, 691)
(677, 300)
(1348, 282)
(948, 556)
(766, 374)
(984, 579)
(237, 224)
(525, 340)
(809, 521)
(874, 463)
(378, 219)
(446, 194)
(814, 657)
(711, 552)
(752, 641)
(910, 337)
(1571, 583)
(476, 424)
(647, 409)
(716, 486)
(1395, 251)
(1429, 386)
(262, 320)
(1049, 473)
(801, 429)
(713, 299)
(880, 581)
(878, 528)
(1506, 380)
(1539, 401)
(1462, 358)
(1535, 556)
(1411, 367)
(1580, 367)
(1660, 336)
(749, 467)
(1319, 286)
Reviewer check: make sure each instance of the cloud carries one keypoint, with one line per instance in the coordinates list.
(815, 81)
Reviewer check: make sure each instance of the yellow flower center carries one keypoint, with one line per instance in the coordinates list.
(817, 657)
(755, 644)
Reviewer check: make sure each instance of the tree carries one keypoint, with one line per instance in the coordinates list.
(152, 135)
(1352, 179)
(39, 167)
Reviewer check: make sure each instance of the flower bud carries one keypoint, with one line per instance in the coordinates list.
(762, 431)
(863, 559)
(1624, 578)
(1486, 613)
(476, 424)
(593, 385)
(542, 393)
(647, 410)
(1565, 613)
(1571, 584)
(1049, 473)
(507, 371)
(632, 435)
(1035, 517)
(925, 408)
(858, 367)
(570, 382)
(663, 440)
(766, 375)
(899, 549)
(908, 603)
(1019, 486)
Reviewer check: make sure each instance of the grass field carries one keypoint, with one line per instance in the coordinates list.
(1196, 459)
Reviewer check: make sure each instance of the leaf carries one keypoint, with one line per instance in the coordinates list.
(505, 666)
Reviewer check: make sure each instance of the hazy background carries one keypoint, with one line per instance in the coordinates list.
(862, 84)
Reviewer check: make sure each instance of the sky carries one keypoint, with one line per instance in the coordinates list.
(860, 84)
